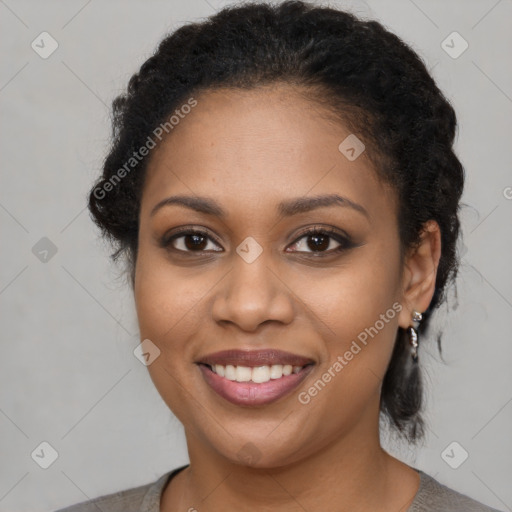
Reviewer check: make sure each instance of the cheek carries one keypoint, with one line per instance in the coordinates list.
(351, 298)
(166, 297)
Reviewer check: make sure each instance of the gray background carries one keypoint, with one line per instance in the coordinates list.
(68, 375)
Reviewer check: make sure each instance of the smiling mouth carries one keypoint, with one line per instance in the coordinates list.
(254, 377)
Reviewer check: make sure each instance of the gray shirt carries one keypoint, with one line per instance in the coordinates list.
(432, 496)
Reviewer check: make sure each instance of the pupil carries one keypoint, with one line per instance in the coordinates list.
(320, 242)
(197, 244)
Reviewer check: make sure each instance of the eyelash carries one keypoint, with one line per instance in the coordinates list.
(344, 241)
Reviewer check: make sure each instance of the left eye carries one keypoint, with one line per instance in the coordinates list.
(321, 242)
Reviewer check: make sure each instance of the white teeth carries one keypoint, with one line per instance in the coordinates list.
(261, 374)
(257, 374)
(230, 372)
(243, 374)
(276, 371)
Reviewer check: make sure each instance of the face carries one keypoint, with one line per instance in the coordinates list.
(258, 277)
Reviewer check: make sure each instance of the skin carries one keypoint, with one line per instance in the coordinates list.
(249, 150)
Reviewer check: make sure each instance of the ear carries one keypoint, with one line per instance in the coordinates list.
(419, 273)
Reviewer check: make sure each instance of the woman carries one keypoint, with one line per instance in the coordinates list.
(283, 188)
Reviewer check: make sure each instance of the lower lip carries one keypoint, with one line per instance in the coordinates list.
(252, 393)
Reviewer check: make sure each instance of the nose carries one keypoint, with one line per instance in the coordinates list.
(252, 294)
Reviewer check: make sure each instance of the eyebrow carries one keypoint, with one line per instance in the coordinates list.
(286, 208)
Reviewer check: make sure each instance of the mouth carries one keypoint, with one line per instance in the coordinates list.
(251, 378)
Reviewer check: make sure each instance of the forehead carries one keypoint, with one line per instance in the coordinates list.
(251, 148)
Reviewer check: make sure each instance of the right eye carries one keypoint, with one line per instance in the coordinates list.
(188, 240)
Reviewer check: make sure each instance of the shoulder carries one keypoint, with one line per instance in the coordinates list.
(128, 500)
(433, 496)
(142, 498)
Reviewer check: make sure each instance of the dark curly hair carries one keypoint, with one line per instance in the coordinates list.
(364, 75)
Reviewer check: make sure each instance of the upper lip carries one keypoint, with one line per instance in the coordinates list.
(252, 358)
